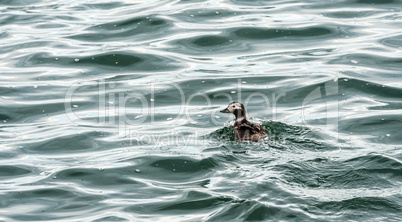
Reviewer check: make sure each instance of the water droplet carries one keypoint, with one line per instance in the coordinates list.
(168, 119)
(174, 169)
(76, 60)
(152, 100)
(44, 173)
(56, 59)
(199, 115)
(100, 169)
(35, 86)
(217, 117)
(345, 80)
(217, 13)
(191, 15)
(75, 106)
(244, 82)
(202, 82)
(388, 134)
(353, 61)
(233, 92)
(137, 117)
(5, 121)
(137, 170)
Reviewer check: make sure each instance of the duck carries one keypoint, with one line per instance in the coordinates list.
(242, 128)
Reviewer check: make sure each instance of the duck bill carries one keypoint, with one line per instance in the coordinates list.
(225, 111)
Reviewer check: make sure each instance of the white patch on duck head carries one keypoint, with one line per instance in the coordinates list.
(237, 109)
(234, 106)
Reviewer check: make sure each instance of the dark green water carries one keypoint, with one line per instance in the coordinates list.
(109, 110)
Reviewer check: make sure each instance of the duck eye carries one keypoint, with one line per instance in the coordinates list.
(233, 106)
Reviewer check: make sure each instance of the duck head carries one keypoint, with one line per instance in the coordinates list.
(235, 108)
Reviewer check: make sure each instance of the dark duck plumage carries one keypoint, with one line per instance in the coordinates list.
(243, 129)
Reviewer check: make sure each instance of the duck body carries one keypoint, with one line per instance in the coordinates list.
(242, 128)
(246, 130)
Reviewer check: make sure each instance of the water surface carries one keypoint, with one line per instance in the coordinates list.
(110, 110)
